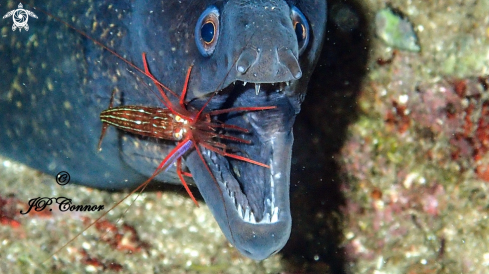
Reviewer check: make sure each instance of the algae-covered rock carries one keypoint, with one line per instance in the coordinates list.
(395, 30)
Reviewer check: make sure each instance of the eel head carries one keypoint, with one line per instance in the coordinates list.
(267, 62)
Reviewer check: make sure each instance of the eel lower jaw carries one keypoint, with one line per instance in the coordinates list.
(256, 238)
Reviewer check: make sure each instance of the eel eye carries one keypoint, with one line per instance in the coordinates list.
(207, 31)
(301, 28)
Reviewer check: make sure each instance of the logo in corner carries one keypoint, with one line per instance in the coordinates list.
(20, 17)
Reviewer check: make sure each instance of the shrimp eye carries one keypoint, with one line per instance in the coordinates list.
(301, 28)
(207, 31)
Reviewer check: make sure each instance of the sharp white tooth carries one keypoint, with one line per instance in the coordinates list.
(274, 219)
(234, 82)
(282, 86)
(257, 89)
(267, 218)
(275, 215)
(244, 83)
(247, 214)
(240, 211)
(287, 83)
(252, 218)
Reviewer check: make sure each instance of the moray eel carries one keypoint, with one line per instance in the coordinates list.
(253, 53)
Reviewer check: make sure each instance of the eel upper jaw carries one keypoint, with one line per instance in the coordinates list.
(251, 203)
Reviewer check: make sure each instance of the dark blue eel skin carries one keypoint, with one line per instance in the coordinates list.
(55, 83)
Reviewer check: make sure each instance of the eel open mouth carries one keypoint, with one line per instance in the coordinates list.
(250, 202)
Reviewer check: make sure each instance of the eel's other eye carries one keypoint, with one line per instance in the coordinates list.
(301, 28)
(207, 31)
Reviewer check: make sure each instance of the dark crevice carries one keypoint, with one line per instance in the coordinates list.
(319, 133)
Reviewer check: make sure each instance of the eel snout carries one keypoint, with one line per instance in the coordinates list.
(267, 65)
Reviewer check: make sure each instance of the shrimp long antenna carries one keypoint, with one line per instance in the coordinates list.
(237, 109)
(106, 48)
(140, 187)
(175, 154)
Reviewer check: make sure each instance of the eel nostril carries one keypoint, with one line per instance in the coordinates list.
(246, 60)
(287, 58)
